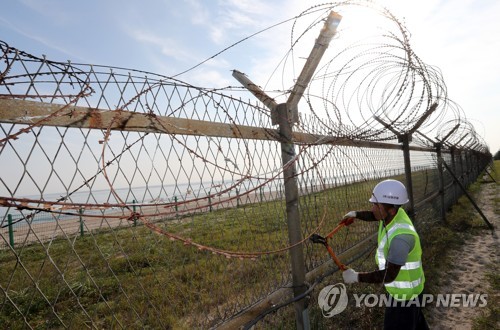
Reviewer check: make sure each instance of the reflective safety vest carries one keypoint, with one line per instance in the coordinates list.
(410, 280)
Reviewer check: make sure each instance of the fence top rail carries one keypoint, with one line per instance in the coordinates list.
(33, 113)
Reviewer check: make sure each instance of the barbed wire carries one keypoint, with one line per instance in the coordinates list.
(389, 62)
(369, 77)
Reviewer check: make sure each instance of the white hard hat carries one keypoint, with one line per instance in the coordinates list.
(389, 192)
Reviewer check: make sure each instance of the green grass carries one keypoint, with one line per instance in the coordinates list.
(134, 278)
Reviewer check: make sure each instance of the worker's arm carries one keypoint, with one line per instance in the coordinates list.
(401, 246)
(362, 215)
(385, 275)
(365, 216)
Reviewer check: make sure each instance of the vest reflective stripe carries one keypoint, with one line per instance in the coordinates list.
(406, 266)
(404, 284)
(381, 245)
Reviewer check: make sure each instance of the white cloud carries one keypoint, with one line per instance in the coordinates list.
(168, 46)
(251, 6)
(210, 78)
(231, 19)
(198, 13)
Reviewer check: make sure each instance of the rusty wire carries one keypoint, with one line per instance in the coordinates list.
(376, 76)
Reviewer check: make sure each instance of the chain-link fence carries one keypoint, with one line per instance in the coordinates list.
(133, 200)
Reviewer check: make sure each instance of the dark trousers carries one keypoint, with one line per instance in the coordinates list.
(404, 316)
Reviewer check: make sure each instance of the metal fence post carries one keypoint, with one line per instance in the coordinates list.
(11, 230)
(285, 115)
(210, 201)
(469, 167)
(465, 168)
(80, 211)
(176, 206)
(454, 169)
(292, 215)
(441, 181)
(475, 163)
(405, 139)
(133, 208)
(463, 165)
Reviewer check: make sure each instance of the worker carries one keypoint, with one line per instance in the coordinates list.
(398, 257)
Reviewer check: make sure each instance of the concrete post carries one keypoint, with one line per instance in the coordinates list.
(293, 217)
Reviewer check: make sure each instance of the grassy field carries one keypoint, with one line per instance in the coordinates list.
(131, 277)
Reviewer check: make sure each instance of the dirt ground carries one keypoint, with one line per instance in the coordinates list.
(472, 259)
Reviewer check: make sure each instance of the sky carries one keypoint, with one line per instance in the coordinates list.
(460, 37)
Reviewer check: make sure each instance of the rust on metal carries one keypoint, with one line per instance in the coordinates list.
(95, 119)
(30, 112)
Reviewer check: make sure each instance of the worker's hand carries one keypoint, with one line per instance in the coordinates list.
(350, 276)
(348, 218)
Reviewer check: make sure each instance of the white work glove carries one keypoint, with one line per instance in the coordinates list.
(350, 276)
(350, 214)
(349, 218)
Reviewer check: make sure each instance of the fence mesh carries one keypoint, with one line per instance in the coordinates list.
(133, 200)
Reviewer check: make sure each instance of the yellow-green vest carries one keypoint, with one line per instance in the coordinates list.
(410, 281)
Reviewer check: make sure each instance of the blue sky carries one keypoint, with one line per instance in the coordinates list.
(460, 37)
